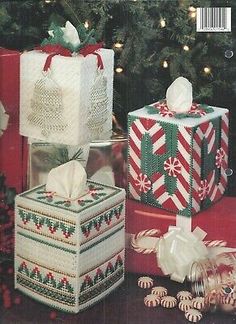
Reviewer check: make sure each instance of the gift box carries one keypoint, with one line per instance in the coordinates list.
(12, 146)
(70, 254)
(218, 222)
(71, 102)
(177, 161)
(44, 156)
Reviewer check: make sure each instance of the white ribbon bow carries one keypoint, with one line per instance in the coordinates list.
(3, 119)
(176, 250)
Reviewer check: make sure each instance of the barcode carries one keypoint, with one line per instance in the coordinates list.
(213, 19)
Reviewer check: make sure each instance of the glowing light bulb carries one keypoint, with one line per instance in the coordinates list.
(165, 64)
(86, 24)
(47, 1)
(186, 48)
(193, 14)
(207, 70)
(118, 45)
(119, 69)
(192, 9)
(163, 23)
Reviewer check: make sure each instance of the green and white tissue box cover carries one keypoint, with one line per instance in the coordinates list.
(64, 104)
(70, 254)
(176, 161)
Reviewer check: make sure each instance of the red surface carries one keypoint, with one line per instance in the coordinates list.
(12, 146)
(219, 221)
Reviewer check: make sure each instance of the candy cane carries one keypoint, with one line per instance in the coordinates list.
(215, 243)
(180, 199)
(137, 130)
(137, 246)
(135, 241)
(215, 191)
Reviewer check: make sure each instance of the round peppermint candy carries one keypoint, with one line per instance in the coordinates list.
(159, 291)
(198, 303)
(193, 315)
(228, 300)
(168, 301)
(185, 305)
(145, 282)
(184, 294)
(152, 300)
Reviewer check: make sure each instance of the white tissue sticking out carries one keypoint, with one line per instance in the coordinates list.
(70, 34)
(68, 180)
(179, 95)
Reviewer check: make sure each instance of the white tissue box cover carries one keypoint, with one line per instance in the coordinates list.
(69, 255)
(75, 77)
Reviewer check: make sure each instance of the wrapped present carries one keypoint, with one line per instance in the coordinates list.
(45, 156)
(146, 221)
(11, 143)
(67, 98)
(70, 239)
(177, 160)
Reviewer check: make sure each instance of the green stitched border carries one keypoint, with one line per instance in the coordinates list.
(46, 292)
(100, 288)
(46, 243)
(115, 192)
(101, 240)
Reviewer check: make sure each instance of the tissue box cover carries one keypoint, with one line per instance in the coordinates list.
(69, 92)
(12, 145)
(218, 221)
(177, 164)
(69, 255)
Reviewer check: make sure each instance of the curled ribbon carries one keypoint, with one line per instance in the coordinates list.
(176, 250)
(57, 49)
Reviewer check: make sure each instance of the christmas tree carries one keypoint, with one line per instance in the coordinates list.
(154, 42)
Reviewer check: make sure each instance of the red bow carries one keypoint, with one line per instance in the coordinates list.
(91, 49)
(57, 49)
(53, 50)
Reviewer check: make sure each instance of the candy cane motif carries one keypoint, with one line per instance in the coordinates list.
(137, 130)
(204, 130)
(179, 200)
(137, 246)
(217, 190)
(135, 241)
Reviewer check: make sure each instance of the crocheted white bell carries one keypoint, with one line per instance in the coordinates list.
(46, 105)
(98, 108)
(68, 180)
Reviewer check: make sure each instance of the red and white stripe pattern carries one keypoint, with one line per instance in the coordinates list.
(198, 303)
(135, 241)
(137, 130)
(145, 282)
(204, 130)
(152, 300)
(193, 315)
(217, 190)
(181, 197)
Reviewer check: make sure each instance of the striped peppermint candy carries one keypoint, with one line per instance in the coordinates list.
(142, 183)
(172, 166)
(220, 155)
